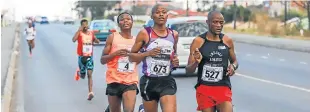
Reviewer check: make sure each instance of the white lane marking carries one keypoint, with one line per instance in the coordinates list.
(281, 59)
(248, 54)
(275, 83)
(303, 63)
(264, 57)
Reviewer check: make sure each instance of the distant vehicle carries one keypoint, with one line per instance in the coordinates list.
(44, 20)
(38, 19)
(188, 28)
(68, 20)
(103, 27)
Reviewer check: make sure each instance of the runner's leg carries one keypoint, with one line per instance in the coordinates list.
(114, 97)
(150, 101)
(90, 80)
(129, 98)
(225, 107)
(81, 67)
(29, 45)
(90, 67)
(167, 95)
(224, 99)
(168, 103)
(209, 110)
(150, 106)
(32, 43)
(114, 103)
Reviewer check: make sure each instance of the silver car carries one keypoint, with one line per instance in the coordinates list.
(187, 30)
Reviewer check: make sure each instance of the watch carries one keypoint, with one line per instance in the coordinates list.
(235, 66)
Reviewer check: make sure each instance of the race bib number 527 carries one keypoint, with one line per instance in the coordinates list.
(212, 74)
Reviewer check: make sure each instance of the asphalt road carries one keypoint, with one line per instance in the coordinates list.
(268, 80)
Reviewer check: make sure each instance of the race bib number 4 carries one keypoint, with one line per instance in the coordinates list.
(87, 49)
(124, 65)
(212, 74)
(160, 68)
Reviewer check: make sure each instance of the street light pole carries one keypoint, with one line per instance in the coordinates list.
(285, 13)
(235, 14)
(187, 9)
(308, 10)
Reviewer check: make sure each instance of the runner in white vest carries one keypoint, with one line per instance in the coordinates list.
(30, 33)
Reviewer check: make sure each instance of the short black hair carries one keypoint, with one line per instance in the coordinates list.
(83, 20)
(156, 7)
(122, 14)
(211, 13)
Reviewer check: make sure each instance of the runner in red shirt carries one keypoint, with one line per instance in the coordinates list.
(85, 39)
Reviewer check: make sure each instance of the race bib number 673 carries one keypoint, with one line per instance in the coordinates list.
(212, 74)
(160, 68)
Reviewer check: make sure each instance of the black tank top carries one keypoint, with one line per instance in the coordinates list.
(213, 66)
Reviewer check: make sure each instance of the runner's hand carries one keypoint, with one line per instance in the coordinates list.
(197, 55)
(175, 61)
(153, 52)
(121, 52)
(81, 28)
(230, 70)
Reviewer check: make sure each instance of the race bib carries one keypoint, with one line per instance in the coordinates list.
(212, 74)
(160, 68)
(87, 49)
(124, 65)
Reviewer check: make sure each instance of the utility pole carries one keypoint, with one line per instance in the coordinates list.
(187, 8)
(285, 13)
(235, 14)
(308, 10)
(285, 16)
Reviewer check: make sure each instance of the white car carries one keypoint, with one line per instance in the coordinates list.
(188, 28)
(68, 20)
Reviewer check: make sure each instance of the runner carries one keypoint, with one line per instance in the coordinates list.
(122, 75)
(158, 54)
(213, 53)
(30, 36)
(85, 40)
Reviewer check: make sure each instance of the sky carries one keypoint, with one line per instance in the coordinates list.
(52, 8)
(49, 8)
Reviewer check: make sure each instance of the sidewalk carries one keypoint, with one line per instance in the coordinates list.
(281, 43)
(7, 39)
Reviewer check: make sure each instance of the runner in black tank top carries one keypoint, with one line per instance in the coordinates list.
(213, 54)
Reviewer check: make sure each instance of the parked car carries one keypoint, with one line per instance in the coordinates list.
(103, 27)
(44, 20)
(68, 20)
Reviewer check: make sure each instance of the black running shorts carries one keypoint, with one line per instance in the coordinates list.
(152, 88)
(116, 89)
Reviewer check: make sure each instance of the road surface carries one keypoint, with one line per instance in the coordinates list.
(268, 80)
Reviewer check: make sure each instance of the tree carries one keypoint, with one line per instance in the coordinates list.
(97, 8)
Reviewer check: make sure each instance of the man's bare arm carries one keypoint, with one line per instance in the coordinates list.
(232, 52)
(192, 63)
(134, 56)
(76, 36)
(106, 57)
